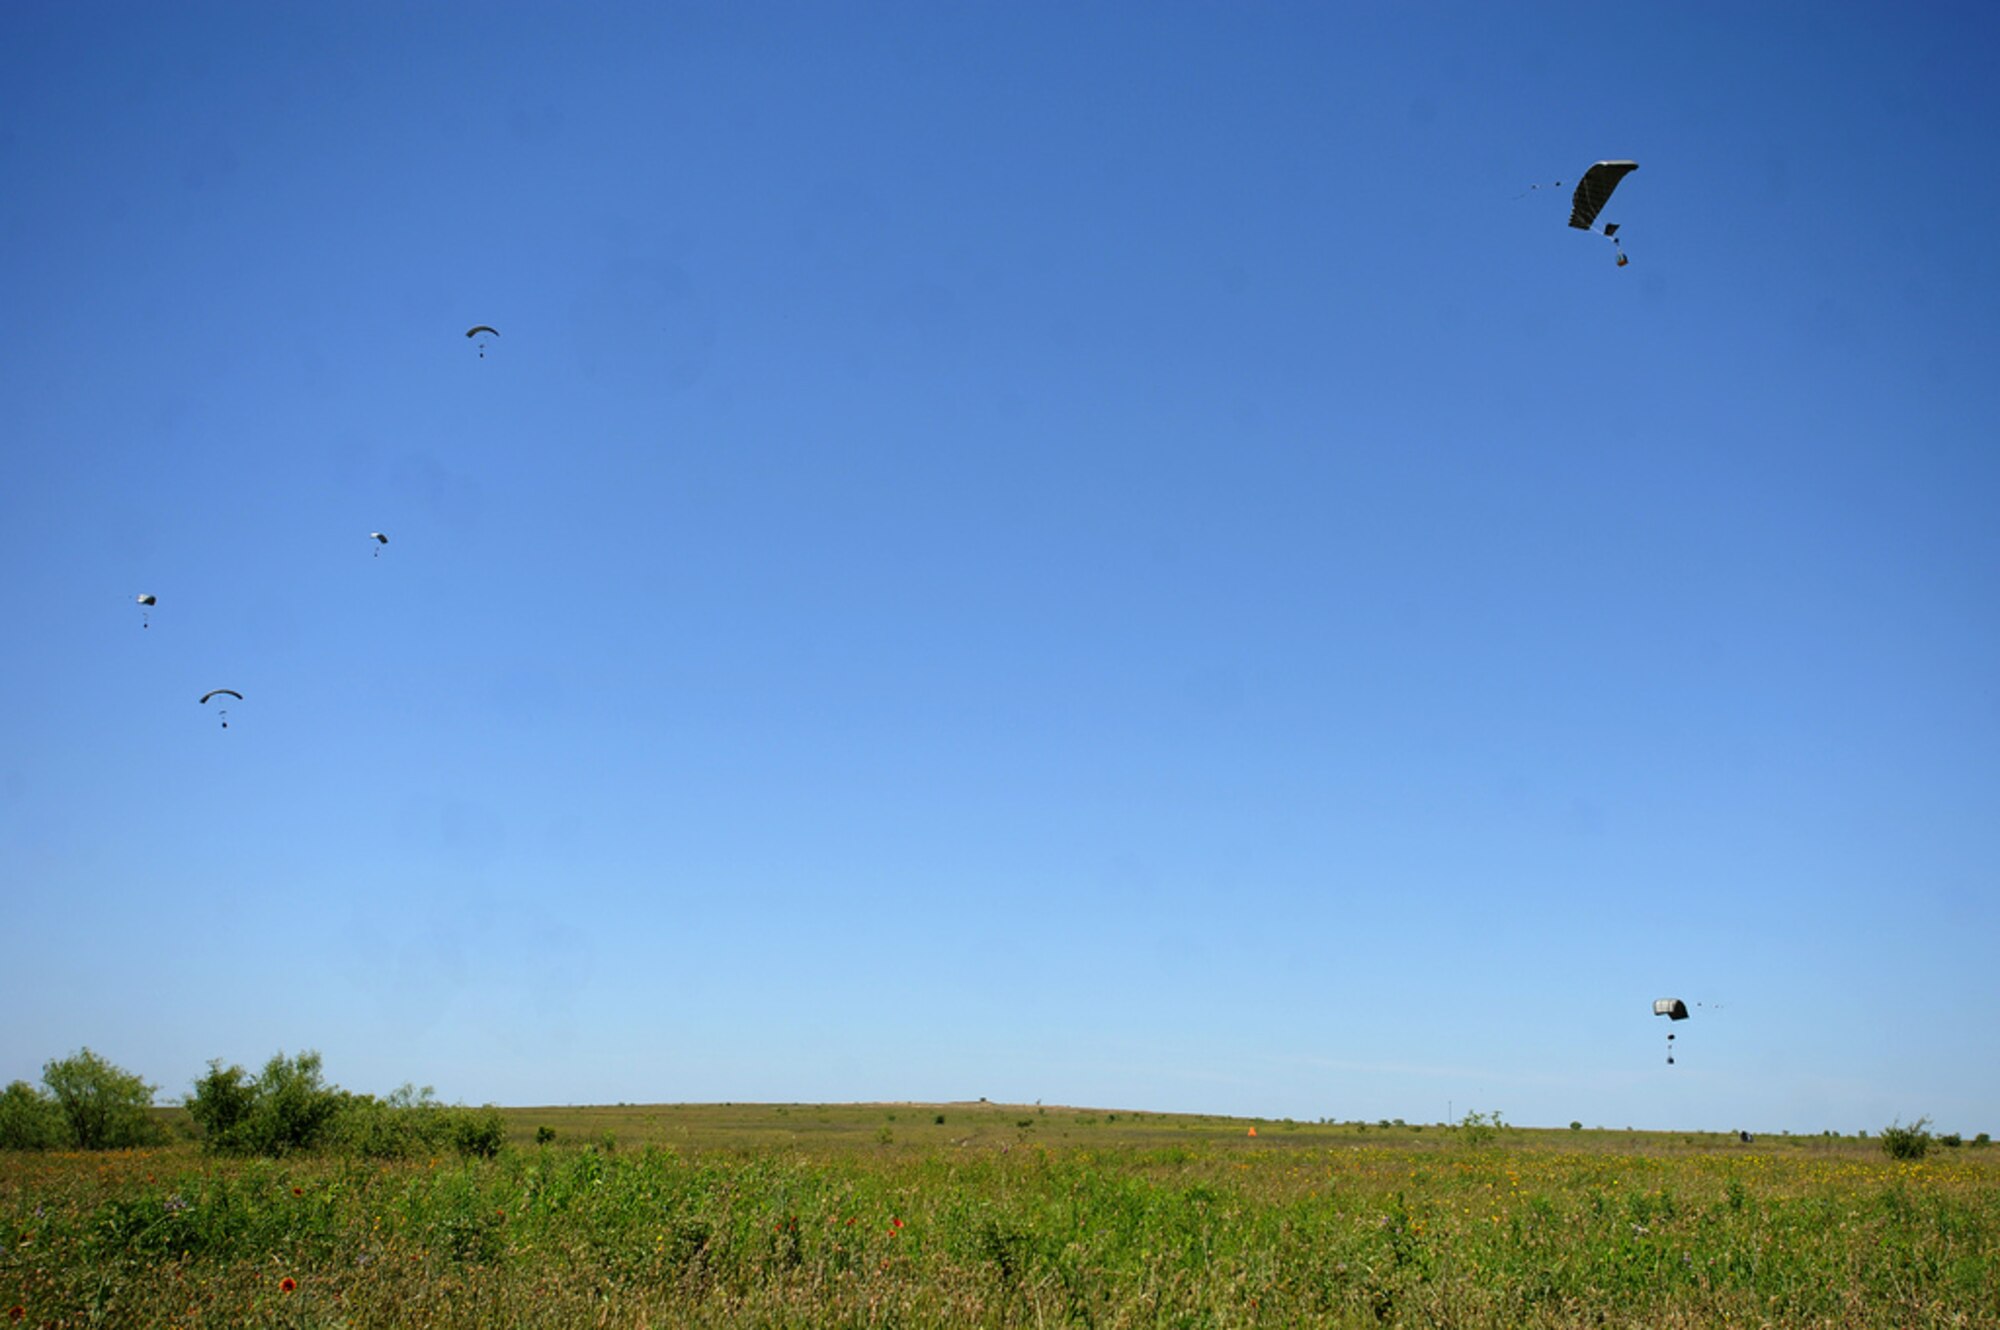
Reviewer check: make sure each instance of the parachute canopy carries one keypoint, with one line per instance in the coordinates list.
(1594, 191)
(1671, 1008)
(220, 692)
(482, 328)
(378, 538)
(147, 600)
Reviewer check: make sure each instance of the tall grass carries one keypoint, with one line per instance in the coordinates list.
(1190, 1232)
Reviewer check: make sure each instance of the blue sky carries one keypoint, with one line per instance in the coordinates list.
(1096, 553)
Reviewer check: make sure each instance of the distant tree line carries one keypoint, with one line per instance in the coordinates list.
(86, 1103)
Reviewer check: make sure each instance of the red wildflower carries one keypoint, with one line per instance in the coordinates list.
(298, 1191)
(16, 1312)
(287, 1284)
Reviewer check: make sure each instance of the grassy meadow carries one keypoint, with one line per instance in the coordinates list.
(1003, 1215)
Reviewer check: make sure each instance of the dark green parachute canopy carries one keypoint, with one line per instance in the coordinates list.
(1594, 191)
(1672, 1008)
(220, 692)
(482, 328)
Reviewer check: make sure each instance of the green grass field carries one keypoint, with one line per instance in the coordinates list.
(1004, 1215)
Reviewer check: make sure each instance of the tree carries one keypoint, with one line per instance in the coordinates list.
(1907, 1142)
(1477, 1129)
(287, 1107)
(29, 1119)
(105, 1107)
(221, 1104)
(294, 1106)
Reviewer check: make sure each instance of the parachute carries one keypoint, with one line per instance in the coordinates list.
(145, 601)
(221, 692)
(1592, 193)
(1674, 1010)
(380, 540)
(482, 328)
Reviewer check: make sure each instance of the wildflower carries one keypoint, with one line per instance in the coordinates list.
(287, 1284)
(895, 1225)
(16, 1312)
(298, 1191)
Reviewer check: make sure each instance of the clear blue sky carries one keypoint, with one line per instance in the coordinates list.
(1097, 553)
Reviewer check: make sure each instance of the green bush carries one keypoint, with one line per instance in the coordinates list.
(408, 1121)
(545, 1135)
(1911, 1142)
(29, 1119)
(288, 1108)
(295, 1107)
(104, 1107)
(478, 1132)
(221, 1102)
(1479, 1129)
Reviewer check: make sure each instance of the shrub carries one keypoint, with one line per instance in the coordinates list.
(29, 1119)
(295, 1107)
(1950, 1140)
(286, 1109)
(478, 1132)
(1911, 1142)
(406, 1122)
(545, 1135)
(1981, 1141)
(104, 1107)
(1479, 1129)
(221, 1101)
(1576, 1126)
